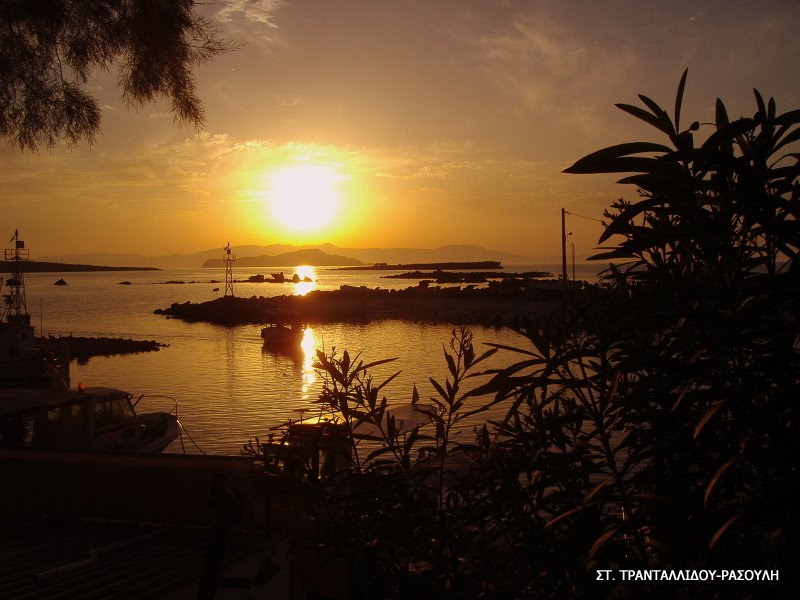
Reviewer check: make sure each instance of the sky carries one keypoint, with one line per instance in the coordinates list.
(412, 124)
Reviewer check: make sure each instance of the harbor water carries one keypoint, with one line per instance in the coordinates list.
(229, 388)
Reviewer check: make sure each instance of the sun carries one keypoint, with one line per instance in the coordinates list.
(304, 197)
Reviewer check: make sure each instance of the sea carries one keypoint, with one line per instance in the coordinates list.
(227, 387)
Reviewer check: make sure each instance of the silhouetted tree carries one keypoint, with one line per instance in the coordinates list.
(48, 49)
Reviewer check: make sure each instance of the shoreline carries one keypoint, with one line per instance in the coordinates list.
(81, 349)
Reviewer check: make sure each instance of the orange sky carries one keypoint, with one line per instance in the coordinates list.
(432, 123)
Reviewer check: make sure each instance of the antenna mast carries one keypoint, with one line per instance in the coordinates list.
(230, 258)
(15, 310)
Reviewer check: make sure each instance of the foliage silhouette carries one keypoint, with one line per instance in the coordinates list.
(651, 425)
(49, 49)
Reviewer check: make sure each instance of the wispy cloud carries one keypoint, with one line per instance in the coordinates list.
(256, 11)
(548, 67)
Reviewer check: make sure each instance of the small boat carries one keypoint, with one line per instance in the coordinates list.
(91, 418)
(281, 336)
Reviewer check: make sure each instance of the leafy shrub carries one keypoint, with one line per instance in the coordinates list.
(652, 424)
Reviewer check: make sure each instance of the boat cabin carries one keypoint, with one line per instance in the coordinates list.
(97, 418)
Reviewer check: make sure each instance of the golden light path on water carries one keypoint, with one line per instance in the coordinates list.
(308, 343)
(304, 287)
(229, 387)
(309, 346)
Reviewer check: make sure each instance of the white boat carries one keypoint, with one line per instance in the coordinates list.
(37, 407)
(91, 418)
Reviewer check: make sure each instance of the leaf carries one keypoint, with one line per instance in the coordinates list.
(414, 395)
(593, 492)
(345, 362)
(793, 136)
(484, 356)
(469, 356)
(387, 381)
(719, 473)
(721, 531)
(451, 365)
(438, 387)
(608, 159)
(661, 114)
(679, 99)
(568, 514)
(375, 364)
(788, 118)
(708, 416)
(762, 108)
(723, 135)
(513, 349)
(656, 183)
(602, 540)
(645, 116)
(726, 143)
(682, 395)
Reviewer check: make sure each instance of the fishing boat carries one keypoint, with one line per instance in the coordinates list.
(37, 407)
(282, 337)
(87, 418)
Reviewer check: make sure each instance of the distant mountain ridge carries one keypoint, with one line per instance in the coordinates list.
(450, 253)
(312, 256)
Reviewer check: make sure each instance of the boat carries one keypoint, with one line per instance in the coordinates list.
(86, 418)
(282, 337)
(37, 407)
(26, 361)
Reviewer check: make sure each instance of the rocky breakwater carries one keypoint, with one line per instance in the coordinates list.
(500, 302)
(83, 348)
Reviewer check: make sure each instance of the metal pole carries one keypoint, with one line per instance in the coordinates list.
(573, 261)
(564, 249)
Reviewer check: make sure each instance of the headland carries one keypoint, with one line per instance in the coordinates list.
(34, 266)
(497, 304)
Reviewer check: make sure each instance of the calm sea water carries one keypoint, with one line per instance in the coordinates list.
(227, 387)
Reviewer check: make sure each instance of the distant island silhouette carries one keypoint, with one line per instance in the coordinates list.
(34, 266)
(449, 253)
(487, 264)
(311, 256)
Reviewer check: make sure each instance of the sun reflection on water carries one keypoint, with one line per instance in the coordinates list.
(304, 287)
(309, 377)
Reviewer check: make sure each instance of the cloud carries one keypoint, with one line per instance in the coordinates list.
(255, 11)
(546, 65)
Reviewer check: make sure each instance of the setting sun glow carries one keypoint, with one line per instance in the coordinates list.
(304, 197)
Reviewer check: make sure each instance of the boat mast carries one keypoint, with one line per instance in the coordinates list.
(15, 310)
